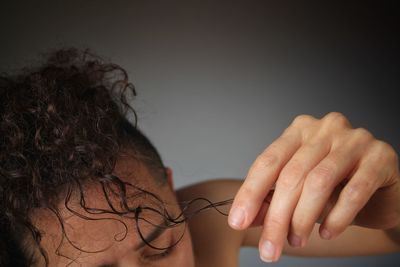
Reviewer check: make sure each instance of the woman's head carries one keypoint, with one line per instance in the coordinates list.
(75, 174)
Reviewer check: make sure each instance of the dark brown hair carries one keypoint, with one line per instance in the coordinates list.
(62, 124)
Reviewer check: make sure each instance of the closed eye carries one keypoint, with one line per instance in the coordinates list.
(159, 256)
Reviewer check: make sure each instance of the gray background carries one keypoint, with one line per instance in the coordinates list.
(218, 81)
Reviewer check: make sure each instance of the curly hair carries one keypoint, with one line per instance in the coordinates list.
(62, 124)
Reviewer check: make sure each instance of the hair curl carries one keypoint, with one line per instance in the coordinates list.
(62, 124)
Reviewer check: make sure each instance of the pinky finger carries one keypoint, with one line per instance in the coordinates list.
(352, 199)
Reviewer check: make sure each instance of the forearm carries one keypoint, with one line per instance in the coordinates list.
(355, 241)
(394, 235)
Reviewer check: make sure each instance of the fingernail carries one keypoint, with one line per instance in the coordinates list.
(326, 234)
(294, 240)
(267, 251)
(237, 217)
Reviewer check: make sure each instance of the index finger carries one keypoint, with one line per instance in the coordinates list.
(260, 179)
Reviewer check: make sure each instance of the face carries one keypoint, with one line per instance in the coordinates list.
(110, 240)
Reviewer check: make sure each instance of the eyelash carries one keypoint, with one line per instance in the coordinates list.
(159, 256)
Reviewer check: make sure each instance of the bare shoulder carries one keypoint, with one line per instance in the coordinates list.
(214, 242)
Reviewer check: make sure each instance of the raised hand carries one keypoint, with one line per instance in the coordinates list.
(322, 170)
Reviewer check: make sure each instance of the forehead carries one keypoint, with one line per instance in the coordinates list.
(108, 233)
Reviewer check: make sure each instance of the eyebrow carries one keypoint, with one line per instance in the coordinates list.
(153, 235)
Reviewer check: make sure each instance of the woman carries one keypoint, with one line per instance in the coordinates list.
(82, 186)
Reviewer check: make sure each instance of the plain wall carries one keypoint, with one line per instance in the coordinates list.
(218, 81)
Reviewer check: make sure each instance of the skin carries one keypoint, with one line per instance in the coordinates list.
(326, 175)
(322, 170)
(99, 235)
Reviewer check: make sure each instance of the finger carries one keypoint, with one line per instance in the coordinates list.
(370, 175)
(287, 192)
(259, 219)
(264, 171)
(330, 204)
(351, 200)
(323, 179)
(260, 178)
(334, 121)
(318, 187)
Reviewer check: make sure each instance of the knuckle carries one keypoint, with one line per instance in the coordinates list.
(295, 168)
(285, 183)
(248, 196)
(388, 150)
(290, 177)
(266, 160)
(302, 120)
(247, 190)
(321, 177)
(362, 134)
(274, 221)
(354, 194)
(337, 118)
(271, 154)
(384, 152)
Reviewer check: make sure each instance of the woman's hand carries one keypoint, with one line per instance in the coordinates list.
(321, 170)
